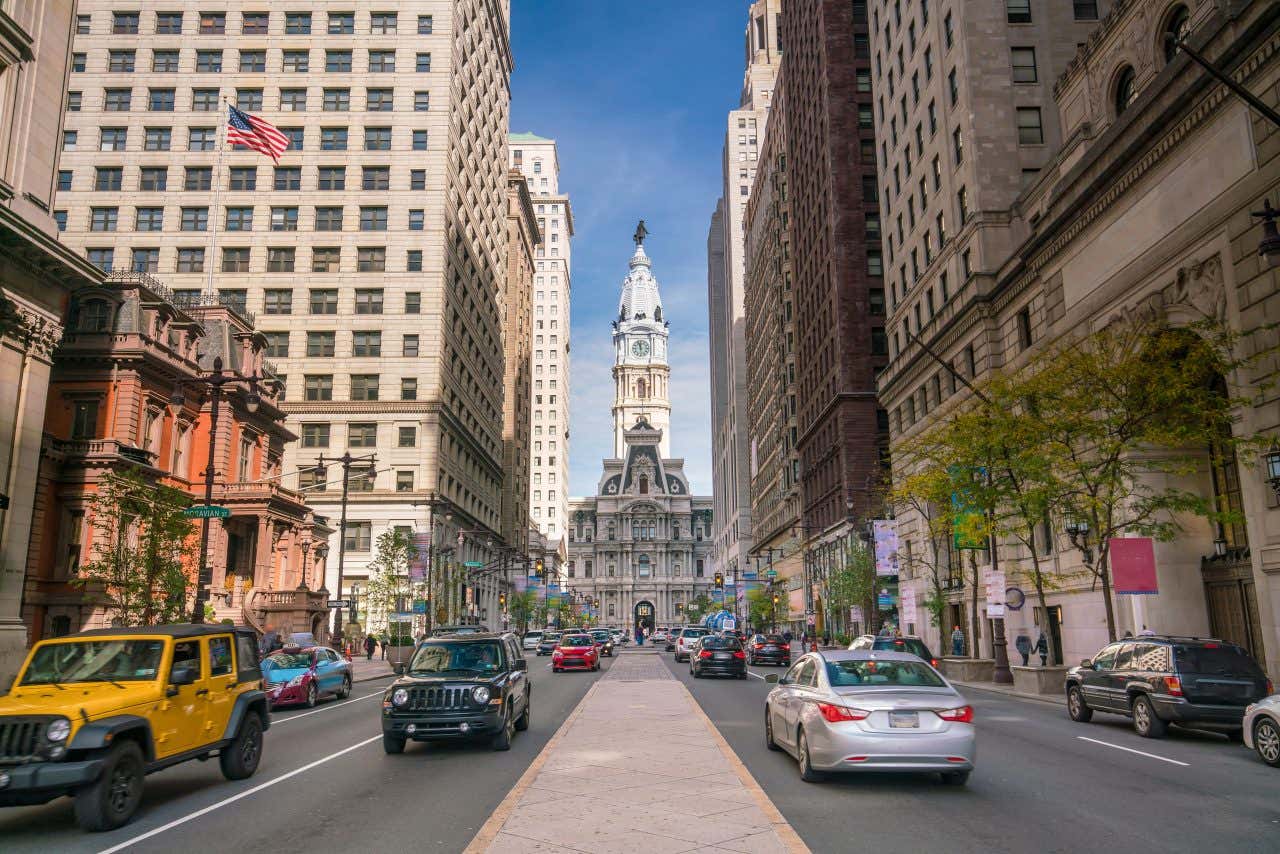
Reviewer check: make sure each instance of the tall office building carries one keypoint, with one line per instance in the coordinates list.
(373, 253)
(37, 275)
(730, 445)
(536, 158)
(522, 239)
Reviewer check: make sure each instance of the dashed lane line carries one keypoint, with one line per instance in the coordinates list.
(280, 721)
(1131, 750)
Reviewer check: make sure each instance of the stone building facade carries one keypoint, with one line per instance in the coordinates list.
(517, 422)
(37, 275)
(110, 409)
(1143, 208)
(641, 546)
(373, 253)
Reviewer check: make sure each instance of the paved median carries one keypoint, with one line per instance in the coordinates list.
(637, 767)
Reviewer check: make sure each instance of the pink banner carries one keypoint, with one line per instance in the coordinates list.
(1133, 565)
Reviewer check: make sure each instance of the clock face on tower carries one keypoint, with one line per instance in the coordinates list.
(640, 349)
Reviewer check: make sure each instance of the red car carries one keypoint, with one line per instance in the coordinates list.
(301, 675)
(576, 652)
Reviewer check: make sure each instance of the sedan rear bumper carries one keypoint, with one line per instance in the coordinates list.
(721, 668)
(841, 748)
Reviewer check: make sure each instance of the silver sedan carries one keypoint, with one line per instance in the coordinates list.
(1262, 729)
(865, 710)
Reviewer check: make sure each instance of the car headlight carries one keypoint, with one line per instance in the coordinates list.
(58, 730)
(297, 680)
(399, 697)
(480, 694)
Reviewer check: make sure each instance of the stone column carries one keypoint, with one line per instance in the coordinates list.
(263, 551)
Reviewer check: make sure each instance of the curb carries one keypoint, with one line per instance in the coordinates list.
(357, 680)
(1052, 700)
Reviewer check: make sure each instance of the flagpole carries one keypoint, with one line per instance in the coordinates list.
(217, 195)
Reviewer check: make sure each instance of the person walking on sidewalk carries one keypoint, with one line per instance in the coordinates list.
(1042, 649)
(386, 642)
(369, 645)
(1023, 645)
(957, 642)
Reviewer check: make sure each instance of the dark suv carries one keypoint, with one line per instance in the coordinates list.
(910, 644)
(1159, 680)
(461, 687)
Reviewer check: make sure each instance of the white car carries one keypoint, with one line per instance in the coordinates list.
(686, 640)
(530, 640)
(660, 636)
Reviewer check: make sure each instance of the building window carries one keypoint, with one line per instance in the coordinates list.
(379, 100)
(953, 87)
(235, 260)
(336, 101)
(358, 536)
(371, 259)
(318, 387)
(423, 63)
(328, 219)
(243, 178)
(377, 139)
(421, 102)
(875, 265)
(320, 344)
(280, 259)
(1018, 11)
(164, 62)
(962, 202)
(957, 146)
(1085, 10)
(287, 178)
(1125, 93)
(277, 344)
(325, 259)
(404, 481)
(238, 219)
(103, 219)
(190, 260)
(364, 387)
(408, 388)
(879, 342)
(369, 301)
(296, 62)
(124, 23)
(1030, 131)
(168, 23)
(324, 300)
(1177, 26)
(209, 61)
(373, 219)
(84, 418)
(117, 100)
(417, 220)
(382, 61)
(342, 23)
(366, 344)
(1024, 64)
(407, 437)
(1024, 329)
(333, 139)
(362, 435)
(420, 140)
(413, 261)
(297, 23)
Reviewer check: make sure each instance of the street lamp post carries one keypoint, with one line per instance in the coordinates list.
(213, 381)
(346, 459)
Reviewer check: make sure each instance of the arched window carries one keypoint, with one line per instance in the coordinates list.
(642, 388)
(1177, 26)
(95, 316)
(645, 568)
(644, 484)
(1125, 90)
(612, 612)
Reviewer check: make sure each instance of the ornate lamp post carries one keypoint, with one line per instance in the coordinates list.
(346, 460)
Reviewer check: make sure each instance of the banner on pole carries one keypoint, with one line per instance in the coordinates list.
(1133, 566)
(885, 532)
(421, 555)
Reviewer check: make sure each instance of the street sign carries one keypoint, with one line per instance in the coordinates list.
(473, 563)
(206, 511)
(339, 603)
(772, 573)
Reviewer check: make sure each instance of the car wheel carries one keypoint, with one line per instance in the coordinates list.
(112, 799)
(555, 670)
(1077, 710)
(312, 695)
(522, 722)
(240, 758)
(768, 730)
(345, 692)
(1266, 740)
(802, 756)
(1145, 721)
(392, 745)
(955, 778)
(502, 741)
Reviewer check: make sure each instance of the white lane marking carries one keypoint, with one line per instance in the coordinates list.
(231, 800)
(757, 675)
(325, 709)
(1139, 752)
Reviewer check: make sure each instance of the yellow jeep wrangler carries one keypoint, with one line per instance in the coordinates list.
(91, 714)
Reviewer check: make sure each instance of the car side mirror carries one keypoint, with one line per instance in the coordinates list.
(521, 664)
(1084, 662)
(772, 678)
(183, 675)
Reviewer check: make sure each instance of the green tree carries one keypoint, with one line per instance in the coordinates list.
(523, 605)
(389, 586)
(853, 583)
(761, 612)
(698, 607)
(143, 549)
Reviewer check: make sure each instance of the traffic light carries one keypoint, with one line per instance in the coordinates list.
(719, 580)
(538, 568)
(775, 600)
(502, 600)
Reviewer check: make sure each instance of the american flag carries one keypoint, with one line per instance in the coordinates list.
(256, 133)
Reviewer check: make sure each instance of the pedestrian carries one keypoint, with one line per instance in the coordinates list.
(369, 645)
(826, 639)
(957, 642)
(1128, 633)
(1023, 645)
(786, 636)
(1042, 649)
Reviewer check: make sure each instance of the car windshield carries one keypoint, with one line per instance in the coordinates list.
(915, 646)
(288, 660)
(601, 636)
(864, 672)
(551, 637)
(533, 634)
(95, 661)
(577, 640)
(721, 643)
(1216, 659)
(446, 657)
(695, 633)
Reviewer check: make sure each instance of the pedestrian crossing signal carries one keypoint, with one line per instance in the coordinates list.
(719, 580)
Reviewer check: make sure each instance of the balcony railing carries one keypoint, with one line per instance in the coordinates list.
(251, 490)
(107, 449)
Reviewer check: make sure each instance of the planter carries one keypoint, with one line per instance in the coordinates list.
(397, 655)
(1038, 680)
(969, 669)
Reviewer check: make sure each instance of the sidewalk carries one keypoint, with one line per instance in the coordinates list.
(363, 671)
(637, 767)
(1007, 690)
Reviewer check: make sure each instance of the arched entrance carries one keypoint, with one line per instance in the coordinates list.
(643, 614)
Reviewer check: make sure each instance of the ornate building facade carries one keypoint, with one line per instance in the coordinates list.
(641, 546)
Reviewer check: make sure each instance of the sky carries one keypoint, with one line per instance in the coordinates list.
(636, 95)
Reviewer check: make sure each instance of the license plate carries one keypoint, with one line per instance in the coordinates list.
(904, 720)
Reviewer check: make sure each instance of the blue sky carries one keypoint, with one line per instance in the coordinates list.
(636, 96)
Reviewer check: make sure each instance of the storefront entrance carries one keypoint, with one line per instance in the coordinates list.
(644, 615)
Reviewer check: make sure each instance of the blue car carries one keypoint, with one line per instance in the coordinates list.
(302, 675)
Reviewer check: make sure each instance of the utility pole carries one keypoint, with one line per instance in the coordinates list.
(346, 460)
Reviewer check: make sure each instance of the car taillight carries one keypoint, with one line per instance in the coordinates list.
(759, 646)
(962, 715)
(739, 654)
(1270, 688)
(835, 714)
(933, 662)
(704, 654)
(1173, 686)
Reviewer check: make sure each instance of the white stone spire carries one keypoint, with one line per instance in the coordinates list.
(640, 370)
(640, 298)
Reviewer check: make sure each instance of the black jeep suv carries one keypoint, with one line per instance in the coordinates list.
(1162, 679)
(461, 687)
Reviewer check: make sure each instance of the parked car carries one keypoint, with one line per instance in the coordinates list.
(685, 640)
(1162, 679)
(576, 651)
(444, 631)
(530, 640)
(1262, 729)
(303, 675)
(464, 687)
(122, 709)
(768, 649)
(550, 640)
(604, 641)
(909, 643)
(619, 637)
(718, 655)
(659, 636)
(866, 710)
